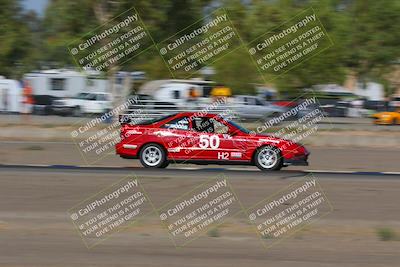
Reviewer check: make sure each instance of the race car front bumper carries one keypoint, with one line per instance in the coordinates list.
(297, 161)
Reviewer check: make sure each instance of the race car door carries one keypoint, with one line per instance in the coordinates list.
(214, 142)
(176, 136)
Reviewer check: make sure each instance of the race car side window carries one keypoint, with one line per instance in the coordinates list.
(209, 125)
(203, 125)
(178, 124)
(219, 127)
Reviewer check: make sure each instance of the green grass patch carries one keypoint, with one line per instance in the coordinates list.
(48, 125)
(213, 232)
(267, 236)
(386, 234)
(33, 147)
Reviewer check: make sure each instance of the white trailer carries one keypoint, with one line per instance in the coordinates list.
(10, 95)
(176, 91)
(65, 83)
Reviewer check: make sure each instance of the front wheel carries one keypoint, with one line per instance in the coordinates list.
(153, 156)
(268, 158)
(165, 165)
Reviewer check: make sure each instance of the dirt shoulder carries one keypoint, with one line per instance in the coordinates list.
(36, 230)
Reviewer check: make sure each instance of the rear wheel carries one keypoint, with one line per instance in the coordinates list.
(153, 156)
(268, 158)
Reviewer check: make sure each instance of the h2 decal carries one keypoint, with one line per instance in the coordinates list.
(223, 155)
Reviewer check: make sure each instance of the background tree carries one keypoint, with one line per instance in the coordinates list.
(15, 40)
(365, 34)
(374, 38)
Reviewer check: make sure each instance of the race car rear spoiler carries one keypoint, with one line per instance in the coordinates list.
(124, 119)
(132, 119)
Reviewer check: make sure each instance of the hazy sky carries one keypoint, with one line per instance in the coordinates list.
(37, 5)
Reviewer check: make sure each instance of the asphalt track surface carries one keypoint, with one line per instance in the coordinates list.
(195, 172)
(35, 229)
(321, 159)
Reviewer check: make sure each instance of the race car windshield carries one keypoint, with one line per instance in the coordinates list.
(241, 128)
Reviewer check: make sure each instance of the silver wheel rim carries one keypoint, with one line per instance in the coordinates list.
(267, 158)
(152, 155)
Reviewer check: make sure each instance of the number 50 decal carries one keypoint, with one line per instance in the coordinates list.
(209, 141)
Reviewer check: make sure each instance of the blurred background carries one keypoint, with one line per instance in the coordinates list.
(363, 63)
(45, 96)
(356, 80)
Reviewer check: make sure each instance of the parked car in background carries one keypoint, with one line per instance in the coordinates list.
(387, 118)
(254, 107)
(376, 105)
(83, 103)
(43, 104)
(394, 103)
(336, 108)
(143, 101)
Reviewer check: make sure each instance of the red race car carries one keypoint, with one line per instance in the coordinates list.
(204, 139)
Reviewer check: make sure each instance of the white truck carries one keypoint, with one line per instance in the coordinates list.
(253, 107)
(83, 103)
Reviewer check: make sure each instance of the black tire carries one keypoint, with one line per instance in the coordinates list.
(274, 164)
(165, 165)
(153, 156)
(76, 112)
